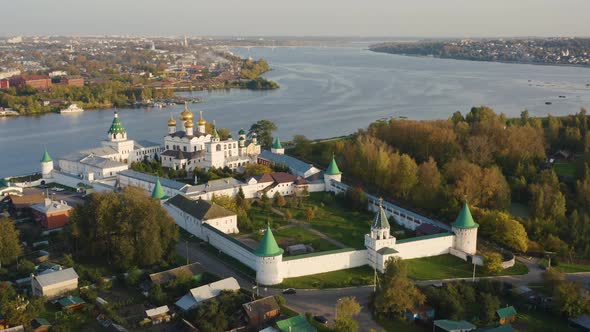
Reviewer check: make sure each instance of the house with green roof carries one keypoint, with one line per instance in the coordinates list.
(506, 315)
(446, 325)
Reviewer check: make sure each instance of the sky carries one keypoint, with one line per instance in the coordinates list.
(366, 18)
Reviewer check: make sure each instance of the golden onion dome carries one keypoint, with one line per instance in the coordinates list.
(201, 121)
(171, 121)
(186, 114)
(188, 124)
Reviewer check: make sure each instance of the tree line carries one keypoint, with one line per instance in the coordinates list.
(482, 157)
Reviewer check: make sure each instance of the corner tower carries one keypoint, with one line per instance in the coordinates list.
(158, 192)
(332, 173)
(46, 165)
(269, 257)
(465, 230)
(277, 147)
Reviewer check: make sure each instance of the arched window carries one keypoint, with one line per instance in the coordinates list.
(218, 148)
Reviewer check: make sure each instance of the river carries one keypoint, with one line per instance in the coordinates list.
(324, 92)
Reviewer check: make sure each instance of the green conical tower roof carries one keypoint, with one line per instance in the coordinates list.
(465, 220)
(333, 168)
(380, 221)
(277, 143)
(117, 126)
(46, 158)
(215, 134)
(158, 192)
(268, 247)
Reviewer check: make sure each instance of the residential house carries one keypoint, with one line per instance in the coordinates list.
(506, 315)
(499, 328)
(52, 214)
(162, 278)
(54, 284)
(260, 311)
(159, 315)
(20, 205)
(70, 303)
(445, 325)
(295, 324)
(40, 325)
(582, 322)
(200, 294)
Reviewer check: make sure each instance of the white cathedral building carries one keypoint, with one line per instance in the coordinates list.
(185, 148)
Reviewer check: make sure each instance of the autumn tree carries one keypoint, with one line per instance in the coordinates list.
(493, 263)
(347, 308)
(406, 176)
(124, 229)
(428, 189)
(264, 130)
(10, 247)
(256, 169)
(502, 228)
(278, 200)
(547, 201)
(396, 292)
(569, 300)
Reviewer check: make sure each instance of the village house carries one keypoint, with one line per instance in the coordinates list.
(195, 270)
(159, 315)
(52, 214)
(446, 325)
(198, 295)
(506, 315)
(54, 284)
(260, 311)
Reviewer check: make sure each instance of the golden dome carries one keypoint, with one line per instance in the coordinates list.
(171, 121)
(201, 121)
(188, 124)
(186, 114)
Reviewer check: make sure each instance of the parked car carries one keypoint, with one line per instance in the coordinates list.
(321, 319)
(289, 291)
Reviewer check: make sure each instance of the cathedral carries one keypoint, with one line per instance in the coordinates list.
(185, 148)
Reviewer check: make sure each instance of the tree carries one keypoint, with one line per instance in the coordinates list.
(310, 213)
(502, 228)
(256, 169)
(427, 191)
(263, 129)
(347, 308)
(488, 305)
(124, 229)
(396, 292)
(406, 176)
(569, 300)
(278, 200)
(493, 263)
(10, 247)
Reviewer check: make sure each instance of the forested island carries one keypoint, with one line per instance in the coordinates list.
(550, 51)
(528, 178)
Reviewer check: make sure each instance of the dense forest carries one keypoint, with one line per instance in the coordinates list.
(503, 167)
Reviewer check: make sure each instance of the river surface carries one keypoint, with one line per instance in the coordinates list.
(324, 92)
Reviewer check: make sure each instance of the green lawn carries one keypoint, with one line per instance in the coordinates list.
(565, 169)
(300, 235)
(357, 276)
(335, 219)
(571, 268)
(541, 321)
(448, 266)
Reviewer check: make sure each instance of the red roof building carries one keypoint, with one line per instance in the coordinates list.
(4, 84)
(72, 80)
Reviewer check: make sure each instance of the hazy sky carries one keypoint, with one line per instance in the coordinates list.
(430, 18)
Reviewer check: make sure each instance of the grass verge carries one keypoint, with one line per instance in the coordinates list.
(358, 276)
(448, 267)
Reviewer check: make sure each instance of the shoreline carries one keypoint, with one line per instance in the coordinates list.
(490, 61)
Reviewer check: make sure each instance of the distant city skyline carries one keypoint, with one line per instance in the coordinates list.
(330, 18)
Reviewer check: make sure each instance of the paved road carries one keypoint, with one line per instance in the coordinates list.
(323, 302)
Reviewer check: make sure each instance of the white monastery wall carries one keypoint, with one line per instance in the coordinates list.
(424, 247)
(214, 237)
(228, 225)
(322, 262)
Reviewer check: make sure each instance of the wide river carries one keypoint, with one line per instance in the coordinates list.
(324, 92)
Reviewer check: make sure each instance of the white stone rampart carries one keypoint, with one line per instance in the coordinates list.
(214, 237)
(424, 246)
(66, 179)
(321, 262)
